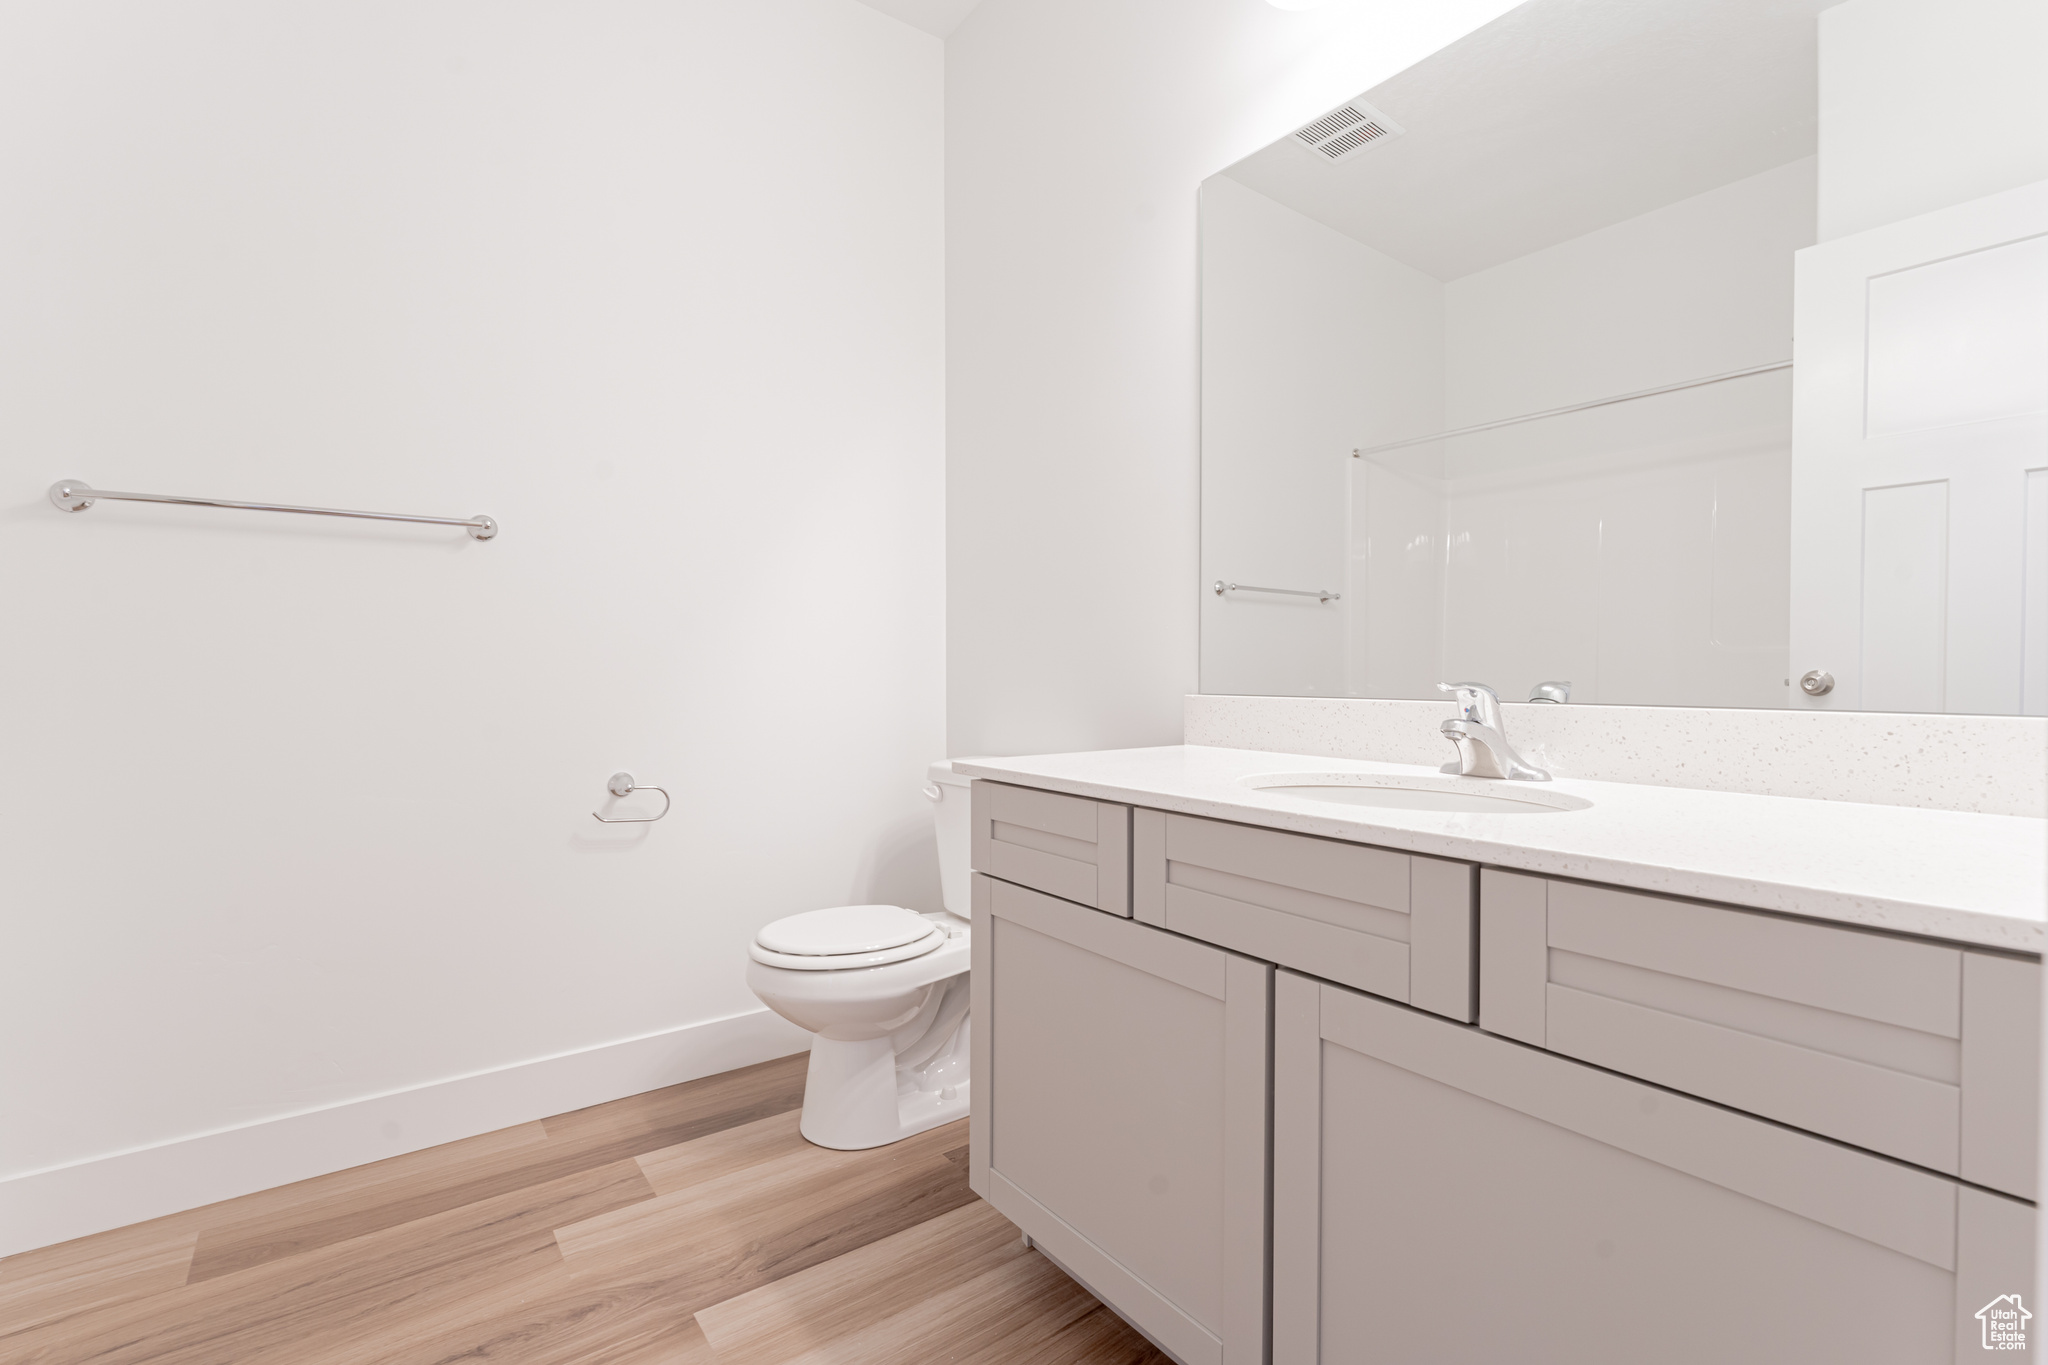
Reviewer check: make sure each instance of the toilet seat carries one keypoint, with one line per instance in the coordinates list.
(846, 937)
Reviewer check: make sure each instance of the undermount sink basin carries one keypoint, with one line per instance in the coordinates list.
(1470, 795)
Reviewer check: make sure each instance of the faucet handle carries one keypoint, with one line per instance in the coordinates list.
(1476, 701)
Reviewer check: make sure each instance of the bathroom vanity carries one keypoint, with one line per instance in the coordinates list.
(1283, 1076)
(1588, 357)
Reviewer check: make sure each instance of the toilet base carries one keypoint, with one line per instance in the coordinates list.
(857, 1096)
(922, 1109)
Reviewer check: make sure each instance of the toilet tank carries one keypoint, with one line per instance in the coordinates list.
(955, 825)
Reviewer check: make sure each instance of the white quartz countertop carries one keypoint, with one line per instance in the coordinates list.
(1947, 874)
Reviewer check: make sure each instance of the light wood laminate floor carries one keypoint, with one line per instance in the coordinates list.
(686, 1226)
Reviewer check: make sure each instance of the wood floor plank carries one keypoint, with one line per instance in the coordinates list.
(112, 1267)
(348, 1204)
(745, 1151)
(691, 1226)
(787, 1181)
(723, 1237)
(757, 1202)
(559, 1319)
(355, 1301)
(687, 1347)
(244, 1232)
(733, 1152)
(680, 1113)
(1049, 1321)
(960, 1287)
(845, 1222)
(851, 1293)
(1024, 1312)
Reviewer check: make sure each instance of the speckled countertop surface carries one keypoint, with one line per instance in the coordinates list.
(1947, 874)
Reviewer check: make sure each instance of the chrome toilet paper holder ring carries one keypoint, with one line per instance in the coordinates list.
(622, 784)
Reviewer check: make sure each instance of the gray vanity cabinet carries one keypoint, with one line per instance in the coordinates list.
(1483, 1116)
(1922, 1051)
(1395, 924)
(1120, 1113)
(1444, 1195)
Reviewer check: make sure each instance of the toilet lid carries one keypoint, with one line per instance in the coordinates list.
(844, 930)
(843, 962)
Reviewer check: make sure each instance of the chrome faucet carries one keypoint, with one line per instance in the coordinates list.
(1483, 748)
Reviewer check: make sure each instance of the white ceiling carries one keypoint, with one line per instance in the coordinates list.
(1560, 117)
(936, 17)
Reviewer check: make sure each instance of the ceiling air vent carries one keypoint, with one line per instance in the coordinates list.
(1344, 132)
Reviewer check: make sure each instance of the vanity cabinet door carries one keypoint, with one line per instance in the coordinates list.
(1391, 923)
(1921, 1051)
(1120, 1104)
(1067, 846)
(1447, 1196)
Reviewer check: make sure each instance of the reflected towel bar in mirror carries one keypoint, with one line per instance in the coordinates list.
(1771, 368)
(1320, 594)
(72, 495)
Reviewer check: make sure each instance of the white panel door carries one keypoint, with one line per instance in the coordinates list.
(1920, 438)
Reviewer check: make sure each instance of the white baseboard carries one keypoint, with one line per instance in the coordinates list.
(46, 1207)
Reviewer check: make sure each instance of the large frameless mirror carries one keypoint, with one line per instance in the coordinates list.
(1500, 383)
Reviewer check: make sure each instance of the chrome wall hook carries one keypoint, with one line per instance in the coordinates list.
(622, 784)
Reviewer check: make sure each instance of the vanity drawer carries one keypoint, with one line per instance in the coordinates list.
(1066, 846)
(1920, 1051)
(1394, 924)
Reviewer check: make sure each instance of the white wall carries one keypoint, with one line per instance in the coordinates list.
(1077, 132)
(1926, 105)
(1698, 287)
(298, 812)
(1312, 343)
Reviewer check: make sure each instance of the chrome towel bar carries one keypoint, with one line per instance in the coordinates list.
(1320, 594)
(72, 495)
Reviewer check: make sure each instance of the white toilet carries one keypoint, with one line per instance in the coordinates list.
(885, 991)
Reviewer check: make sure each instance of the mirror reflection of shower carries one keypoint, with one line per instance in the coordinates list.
(1499, 378)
